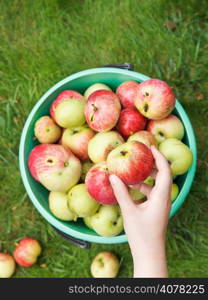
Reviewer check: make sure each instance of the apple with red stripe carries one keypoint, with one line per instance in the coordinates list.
(155, 99)
(7, 265)
(102, 110)
(127, 93)
(132, 162)
(27, 252)
(98, 184)
(54, 166)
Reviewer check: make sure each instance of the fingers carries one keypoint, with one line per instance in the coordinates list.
(121, 193)
(163, 178)
(153, 173)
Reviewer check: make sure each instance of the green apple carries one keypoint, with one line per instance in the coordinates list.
(80, 201)
(170, 127)
(105, 265)
(174, 192)
(144, 137)
(102, 143)
(136, 195)
(108, 220)
(87, 221)
(96, 87)
(70, 113)
(58, 204)
(178, 155)
(46, 130)
(86, 165)
(7, 265)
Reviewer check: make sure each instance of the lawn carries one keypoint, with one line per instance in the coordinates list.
(43, 41)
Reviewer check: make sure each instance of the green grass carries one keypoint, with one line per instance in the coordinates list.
(42, 42)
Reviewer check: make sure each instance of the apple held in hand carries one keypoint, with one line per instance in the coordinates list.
(155, 99)
(127, 93)
(86, 165)
(7, 265)
(77, 140)
(178, 154)
(132, 162)
(65, 95)
(174, 192)
(98, 184)
(80, 201)
(144, 137)
(130, 121)
(46, 130)
(27, 252)
(54, 166)
(102, 143)
(105, 265)
(102, 110)
(96, 87)
(170, 127)
(107, 221)
(58, 204)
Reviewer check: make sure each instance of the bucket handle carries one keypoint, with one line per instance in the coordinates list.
(77, 242)
(126, 66)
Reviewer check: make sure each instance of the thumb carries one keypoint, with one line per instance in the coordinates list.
(121, 193)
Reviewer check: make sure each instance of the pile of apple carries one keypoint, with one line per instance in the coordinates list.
(87, 138)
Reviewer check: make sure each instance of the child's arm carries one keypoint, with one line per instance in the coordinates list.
(145, 224)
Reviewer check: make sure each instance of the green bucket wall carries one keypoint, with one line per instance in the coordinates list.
(80, 82)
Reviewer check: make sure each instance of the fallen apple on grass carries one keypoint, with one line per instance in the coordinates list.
(170, 127)
(132, 162)
(80, 201)
(105, 265)
(127, 93)
(27, 252)
(130, 121)
(102, 143)
(155, 99)
(77, 140)
(47, 131)
(7, 265)
(178, 155)
(54, 166)
(144, 137)
(107, 221)
(94, 88)
(98, 184)
(58, 204)
(65, 95)
(102, 110)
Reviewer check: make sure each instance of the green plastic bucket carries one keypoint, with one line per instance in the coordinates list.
(80, 82)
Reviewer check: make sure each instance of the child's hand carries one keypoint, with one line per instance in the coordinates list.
(145, 224)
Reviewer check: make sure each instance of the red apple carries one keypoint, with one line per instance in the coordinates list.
(55, 166)
(130, 121)
(127, 93)
(144, 137)
(170, 127)
(65, 95)
(132, 162)
(155, 99)
(27, 252)
(98, 184)
(7, 265)
(77, 140)
(102, 110)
